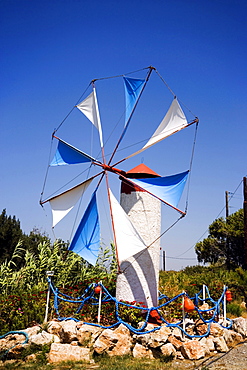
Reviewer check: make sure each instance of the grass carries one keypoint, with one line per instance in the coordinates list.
(103, 363)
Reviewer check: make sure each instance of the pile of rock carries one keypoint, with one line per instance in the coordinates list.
(75, 341)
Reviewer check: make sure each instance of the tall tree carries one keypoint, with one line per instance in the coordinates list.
(225, 242)
(10, 235)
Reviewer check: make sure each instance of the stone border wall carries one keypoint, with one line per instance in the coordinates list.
(76, 341)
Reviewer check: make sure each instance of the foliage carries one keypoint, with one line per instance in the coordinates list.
(10, 235)
(23, 291)
(225, 242)
(234, 309)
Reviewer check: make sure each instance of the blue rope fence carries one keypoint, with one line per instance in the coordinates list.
(89, 297)
(4, 355)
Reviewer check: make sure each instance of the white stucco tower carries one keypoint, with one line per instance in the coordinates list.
(139, 276)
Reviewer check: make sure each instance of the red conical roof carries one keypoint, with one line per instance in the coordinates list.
(142, 169)
(139, 172)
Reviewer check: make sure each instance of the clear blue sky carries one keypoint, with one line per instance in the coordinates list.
(51, 50)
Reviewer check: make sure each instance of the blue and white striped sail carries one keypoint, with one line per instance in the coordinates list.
(67, 154)
(86, 241)
(168, 189)
(133, 88)
(89, 107)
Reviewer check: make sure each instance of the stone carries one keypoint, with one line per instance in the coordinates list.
(87, 334)
(11, 340)
(65, 352)
(140, 351)
(32, 357)
(193, 350)
(240, 326)
(43, 338)
(236, 337)
(16, 351)
(54, 327)
(114, 343)
(201, 328)
(33, 330)
(204, 344)
(220, 344)
(105, 341)
(175, 342)
(159, 337)
(177, 333)
(216, 330)
(168, 350)
(69, 331)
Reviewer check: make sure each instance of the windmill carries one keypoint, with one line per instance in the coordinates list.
(136, 255)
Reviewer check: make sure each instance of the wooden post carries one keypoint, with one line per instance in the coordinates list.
(49, 274)
(227, 239)
(183, 312)
(245, 222)
(100, 300)
(164, 260)
(203, 293)
(224, 306)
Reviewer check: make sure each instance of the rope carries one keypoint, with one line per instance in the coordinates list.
(13, 332)
(88, 297)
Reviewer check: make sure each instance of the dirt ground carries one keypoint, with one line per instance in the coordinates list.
(235, 359)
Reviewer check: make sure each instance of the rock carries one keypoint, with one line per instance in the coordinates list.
(87, 334)
(147, 328)
(200, 327)
(236, 337)
(175, 342)
(240, 326)
(32, 357)
(168, 349)
(228, 336)
(205, 345)
(158, 337)
(11, 340)
(16, 351)
(193, 350)
(124, 342)
(220, 344)
(177, 333)
(105, 341)
(216, 330)
(115, 343)
(65, 352)
(43, 338)
(54, 327)
(140, 351)
(33, 330)
(69, 331)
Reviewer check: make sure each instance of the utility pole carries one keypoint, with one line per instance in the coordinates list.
(227, 204)
(245, 221)
(227, 239)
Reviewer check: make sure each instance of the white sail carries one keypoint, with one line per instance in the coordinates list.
(63, 203)
(173, 121)
(90, 108)
(128, 240)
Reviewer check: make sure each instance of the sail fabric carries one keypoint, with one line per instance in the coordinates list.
(90, 108)
(128, 240)
(67, 154)
(173, 121)
(63, 203)
(168, 189)
(133, 87)
(86, 241)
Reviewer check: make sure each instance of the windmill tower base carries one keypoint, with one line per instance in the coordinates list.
(138, 279)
